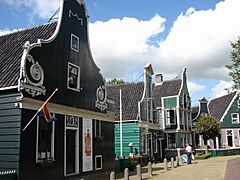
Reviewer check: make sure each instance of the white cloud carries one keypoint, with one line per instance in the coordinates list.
(120, 46)
(221, 89)
(7, 31)
(193, 87)
(198, 40)
(40, 8)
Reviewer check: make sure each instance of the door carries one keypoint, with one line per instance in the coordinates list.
(70, 151)
(71, 145)
(229, 138)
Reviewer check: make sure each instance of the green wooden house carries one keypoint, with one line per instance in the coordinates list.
(226, 110)
(33, 63)
(156, 117)
(174, 105)
(140, 125)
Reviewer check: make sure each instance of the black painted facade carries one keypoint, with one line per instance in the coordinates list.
(46, 65)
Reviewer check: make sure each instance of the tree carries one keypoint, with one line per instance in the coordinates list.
(208, 127)
(235, 66)
(116, 81)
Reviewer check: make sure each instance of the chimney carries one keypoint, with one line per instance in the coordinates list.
(203, 105)
(158, 79)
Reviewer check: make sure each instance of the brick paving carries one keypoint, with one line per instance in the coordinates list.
(233, 169)
(209, 169)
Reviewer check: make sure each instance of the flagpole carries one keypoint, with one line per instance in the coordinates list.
(40, 108)
(121, 143)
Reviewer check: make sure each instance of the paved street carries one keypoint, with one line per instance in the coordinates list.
(210, 169)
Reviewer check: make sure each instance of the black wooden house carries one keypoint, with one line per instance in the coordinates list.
(33, 63)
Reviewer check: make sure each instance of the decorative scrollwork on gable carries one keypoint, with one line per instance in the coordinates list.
(71, 13)
(33, 76)
(101, 102)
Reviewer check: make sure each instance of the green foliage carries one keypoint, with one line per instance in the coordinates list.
(202, 155)
(116, 81)
(235, 66)
(132, 163)
(208, 126)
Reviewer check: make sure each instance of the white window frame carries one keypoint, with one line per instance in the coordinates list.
(52, 139)
(78, 78)
(156, 142)
(98, 156)
(168, 117)
(72, 47)
(235, 118)
(145, 142)
(76, 146)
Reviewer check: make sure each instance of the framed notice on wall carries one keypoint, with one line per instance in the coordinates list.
(87, 145)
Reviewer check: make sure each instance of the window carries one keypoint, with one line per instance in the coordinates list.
(171, 117)
(74, 43)
(171, 141)
(98, 162)
(155, 143)
(144, 144)
(181, 117)
(45, 140)
(73, 77)
(149, 109)
(229, 132)
(184, 100)
(98, 126)
(235, 118)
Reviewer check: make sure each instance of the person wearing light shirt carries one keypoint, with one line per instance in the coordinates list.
(189, 153)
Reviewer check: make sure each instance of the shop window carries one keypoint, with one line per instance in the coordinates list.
(235, 118)
(171, 119)
(45, 141)
(98, 162)
(73, 77)
(74, 43)
(171, 141)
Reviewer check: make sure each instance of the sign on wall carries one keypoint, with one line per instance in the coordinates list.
(87, 145)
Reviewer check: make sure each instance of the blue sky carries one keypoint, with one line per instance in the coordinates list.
(170, 34)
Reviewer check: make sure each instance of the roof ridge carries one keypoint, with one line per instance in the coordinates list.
(25, 29)
(126, 84)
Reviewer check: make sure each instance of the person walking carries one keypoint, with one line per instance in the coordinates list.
(189, 153)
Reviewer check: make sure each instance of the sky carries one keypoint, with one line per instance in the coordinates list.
(170, 34)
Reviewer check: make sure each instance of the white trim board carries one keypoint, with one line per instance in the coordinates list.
(28, 103)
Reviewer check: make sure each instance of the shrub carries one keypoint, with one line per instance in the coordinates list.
(202, 155)
(132, 163)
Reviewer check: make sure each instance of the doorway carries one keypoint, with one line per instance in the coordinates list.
(70, 151)
(229, 138)
(71, 145)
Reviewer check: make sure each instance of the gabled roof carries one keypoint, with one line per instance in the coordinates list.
(167, 88)
(219, 106)
(131, 95)
(11, 50)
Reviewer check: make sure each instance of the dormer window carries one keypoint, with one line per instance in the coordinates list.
(74, 43)
(73, 79)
